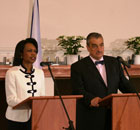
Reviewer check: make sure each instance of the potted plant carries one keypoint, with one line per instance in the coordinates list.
(134, 45)
(71, 46)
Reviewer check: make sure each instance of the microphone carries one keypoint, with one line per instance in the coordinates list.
(124, 65)
(123, 62)
(45, 63)
(71, 126)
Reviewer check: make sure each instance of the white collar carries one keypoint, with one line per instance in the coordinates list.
(94, 60)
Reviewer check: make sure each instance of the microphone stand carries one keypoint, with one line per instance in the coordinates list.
(129, 79)
(71, 127)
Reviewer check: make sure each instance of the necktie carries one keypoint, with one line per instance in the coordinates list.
(99, 62)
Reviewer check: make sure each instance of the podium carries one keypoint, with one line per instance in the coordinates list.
(125, 111)
(48, 112)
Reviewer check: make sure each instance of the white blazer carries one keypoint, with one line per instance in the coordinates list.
(19, 86)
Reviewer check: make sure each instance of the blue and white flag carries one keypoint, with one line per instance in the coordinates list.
(35, 32)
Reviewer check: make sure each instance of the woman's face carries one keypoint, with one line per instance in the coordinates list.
(29, 54)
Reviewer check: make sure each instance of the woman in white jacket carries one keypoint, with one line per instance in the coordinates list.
(23, 81)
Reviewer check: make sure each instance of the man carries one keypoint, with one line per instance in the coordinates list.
(95, 77)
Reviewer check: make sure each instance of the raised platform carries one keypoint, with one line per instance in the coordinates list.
(63, 71)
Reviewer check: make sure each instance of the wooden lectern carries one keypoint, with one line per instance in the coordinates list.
(48, 112)
(125, 111)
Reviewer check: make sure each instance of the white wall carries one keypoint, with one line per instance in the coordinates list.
(117, 20)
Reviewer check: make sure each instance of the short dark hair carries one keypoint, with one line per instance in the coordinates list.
(93, 35)
(19, 50)
(30, 40)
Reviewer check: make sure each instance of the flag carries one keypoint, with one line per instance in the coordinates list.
(35, 32)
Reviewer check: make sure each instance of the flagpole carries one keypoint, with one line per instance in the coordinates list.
(35, 31)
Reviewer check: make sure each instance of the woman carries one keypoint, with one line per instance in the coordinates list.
(23, 81)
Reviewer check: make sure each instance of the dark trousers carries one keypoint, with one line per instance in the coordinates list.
(13, 125)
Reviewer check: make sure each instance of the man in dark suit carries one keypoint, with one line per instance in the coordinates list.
(95, 77)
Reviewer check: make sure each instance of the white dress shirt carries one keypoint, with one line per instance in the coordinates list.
(101, 69)
(18, 85)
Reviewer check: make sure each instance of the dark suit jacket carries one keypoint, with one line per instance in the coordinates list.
(86, 80)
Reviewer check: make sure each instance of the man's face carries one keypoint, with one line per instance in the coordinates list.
(96, 47)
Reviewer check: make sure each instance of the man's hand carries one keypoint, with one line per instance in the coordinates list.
(95, 102)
